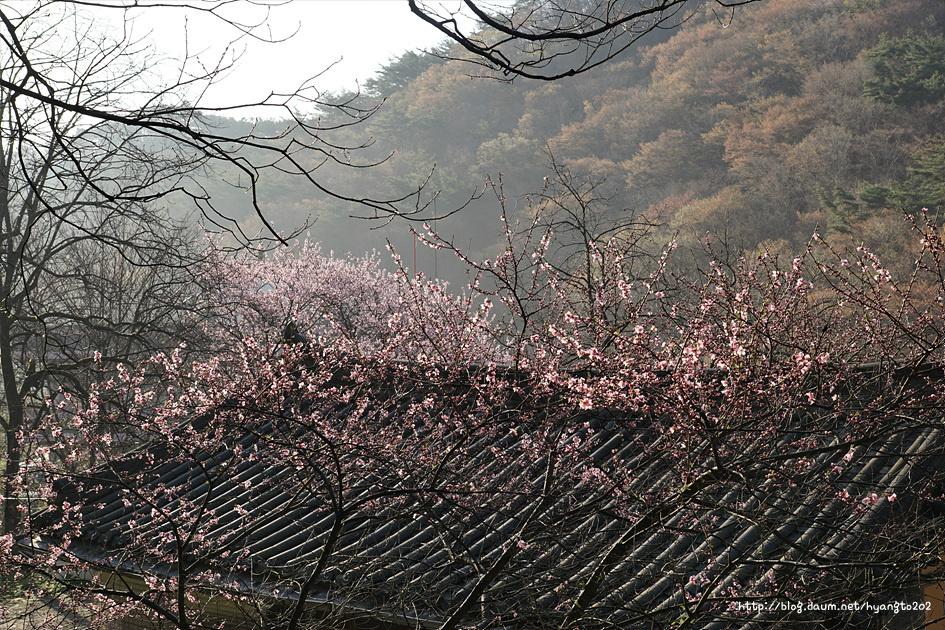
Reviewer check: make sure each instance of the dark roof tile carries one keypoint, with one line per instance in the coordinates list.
(430, 548)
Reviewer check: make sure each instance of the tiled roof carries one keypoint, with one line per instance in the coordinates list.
(678, 539)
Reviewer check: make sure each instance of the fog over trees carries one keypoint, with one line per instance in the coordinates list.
(756, 130)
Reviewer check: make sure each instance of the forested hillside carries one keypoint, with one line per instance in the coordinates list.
(791, 117)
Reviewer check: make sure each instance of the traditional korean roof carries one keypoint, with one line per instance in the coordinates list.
(607, 522)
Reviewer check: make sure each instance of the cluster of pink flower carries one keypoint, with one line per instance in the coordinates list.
(754, 377)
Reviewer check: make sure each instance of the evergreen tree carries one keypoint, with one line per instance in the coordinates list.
(909, 70)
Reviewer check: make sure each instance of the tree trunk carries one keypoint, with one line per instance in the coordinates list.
(12, 426)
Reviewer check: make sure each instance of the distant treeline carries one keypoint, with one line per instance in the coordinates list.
(790, 117)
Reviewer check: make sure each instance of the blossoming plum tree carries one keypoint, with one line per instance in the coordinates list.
(582, 472)
(348, 298)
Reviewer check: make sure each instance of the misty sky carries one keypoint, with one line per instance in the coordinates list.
(345, 41)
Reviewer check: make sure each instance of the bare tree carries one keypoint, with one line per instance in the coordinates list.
(61, 76)
(553, 39)
(79, 276)
(98, 136)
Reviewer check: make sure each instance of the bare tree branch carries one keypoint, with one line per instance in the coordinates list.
(553, 39)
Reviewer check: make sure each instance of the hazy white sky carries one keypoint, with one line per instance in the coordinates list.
(357, 36)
